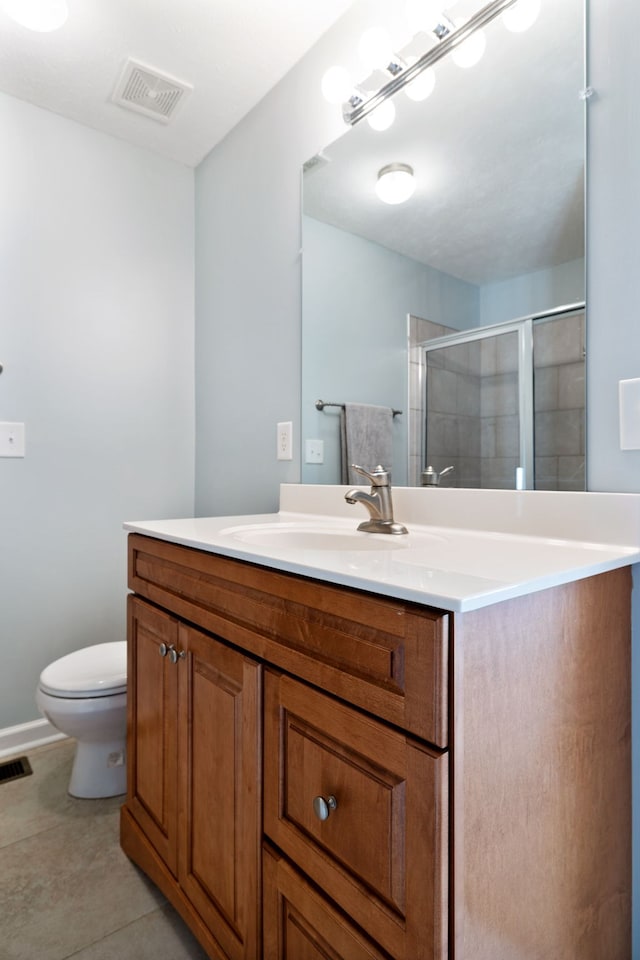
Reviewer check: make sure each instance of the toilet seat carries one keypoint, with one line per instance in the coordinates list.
(97, 671)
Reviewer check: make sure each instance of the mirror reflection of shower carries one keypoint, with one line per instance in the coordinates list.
(504, 405)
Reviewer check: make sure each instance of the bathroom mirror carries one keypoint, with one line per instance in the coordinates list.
(493, 232)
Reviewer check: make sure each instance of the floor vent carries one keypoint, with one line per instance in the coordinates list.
(14, 769)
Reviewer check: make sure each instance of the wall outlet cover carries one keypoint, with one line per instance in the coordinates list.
(284, 447)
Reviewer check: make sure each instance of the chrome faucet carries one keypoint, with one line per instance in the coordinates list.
(378, 502)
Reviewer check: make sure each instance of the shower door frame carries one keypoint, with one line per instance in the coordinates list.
(523, 327)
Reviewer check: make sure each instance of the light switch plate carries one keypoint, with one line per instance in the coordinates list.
(314, 451)
(11, 439)
(629, 394)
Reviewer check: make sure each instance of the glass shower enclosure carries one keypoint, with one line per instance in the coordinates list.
(504, 405)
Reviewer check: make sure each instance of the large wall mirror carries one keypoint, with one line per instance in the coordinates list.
(462, 307)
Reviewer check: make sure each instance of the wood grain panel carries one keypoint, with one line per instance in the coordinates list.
(300, 924)
(388, 657)
(221, 798)
(381, 855)
(542, 775)
(152, 745)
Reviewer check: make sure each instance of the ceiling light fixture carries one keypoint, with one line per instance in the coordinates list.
(43, 16)
(395, 183)
(466, 40)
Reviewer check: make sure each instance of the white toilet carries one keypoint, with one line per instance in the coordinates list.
(84, 695)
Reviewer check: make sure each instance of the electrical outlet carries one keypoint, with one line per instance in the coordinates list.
(284, 450)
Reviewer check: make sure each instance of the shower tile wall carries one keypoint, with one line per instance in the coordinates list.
(453, 404)
(499, 417)
(559, 369)
(472, 410)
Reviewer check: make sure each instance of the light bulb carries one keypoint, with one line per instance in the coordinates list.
(470, 51)
(422, 86)
(422, 15)
(383, 116)
(42, 16)
(375, 50)
(521, 15)
(395, 183)
(336, 85)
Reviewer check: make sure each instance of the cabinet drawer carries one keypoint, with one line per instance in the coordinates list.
(385, 656)
(381, 854)
(300, 924)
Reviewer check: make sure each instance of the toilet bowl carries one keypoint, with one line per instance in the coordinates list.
(84, 695)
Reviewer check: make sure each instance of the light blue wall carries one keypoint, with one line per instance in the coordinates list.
(96, 338)
(532, 293)
(613, 288)
(356, 297)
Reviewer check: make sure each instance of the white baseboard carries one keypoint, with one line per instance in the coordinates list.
(26, 736)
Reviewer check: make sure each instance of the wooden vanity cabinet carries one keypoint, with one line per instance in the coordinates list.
(192, 819)
(480, 765)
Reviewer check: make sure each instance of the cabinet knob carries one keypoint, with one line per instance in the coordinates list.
(175, 655)
(322, 807)
(163, 649)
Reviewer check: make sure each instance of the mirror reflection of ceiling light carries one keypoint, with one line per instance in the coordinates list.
(522, 15)
(43, 16)
(395, 183)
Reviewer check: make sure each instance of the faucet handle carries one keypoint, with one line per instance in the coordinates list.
(379, 477)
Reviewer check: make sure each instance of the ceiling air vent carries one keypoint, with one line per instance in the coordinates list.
(146, 90)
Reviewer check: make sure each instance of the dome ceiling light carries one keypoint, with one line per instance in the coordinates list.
(395, 183)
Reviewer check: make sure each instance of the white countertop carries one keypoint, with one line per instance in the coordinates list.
(486, 546)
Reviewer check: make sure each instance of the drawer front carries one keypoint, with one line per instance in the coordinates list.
(381, 852)
(385, 656)
(300, 924)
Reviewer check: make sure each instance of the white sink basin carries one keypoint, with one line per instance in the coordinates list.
(309, 537)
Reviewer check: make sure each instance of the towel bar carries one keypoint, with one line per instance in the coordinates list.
(321, 404)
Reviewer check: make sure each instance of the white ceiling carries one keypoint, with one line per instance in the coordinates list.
(232, 52)
(498, 156)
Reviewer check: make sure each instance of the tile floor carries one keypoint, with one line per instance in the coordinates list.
(66, 888)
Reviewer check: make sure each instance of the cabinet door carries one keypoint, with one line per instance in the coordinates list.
(152, 736)
(220, 789)
(300, 924)
(362, 809)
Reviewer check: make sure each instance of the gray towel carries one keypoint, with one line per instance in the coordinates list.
(365, 435)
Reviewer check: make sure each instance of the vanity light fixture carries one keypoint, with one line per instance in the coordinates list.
(465, 39)
(521, 15)
(470, 51)
(423, 85)
(383, 116)
(375, 50)
(43, 16)
(395, 183)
